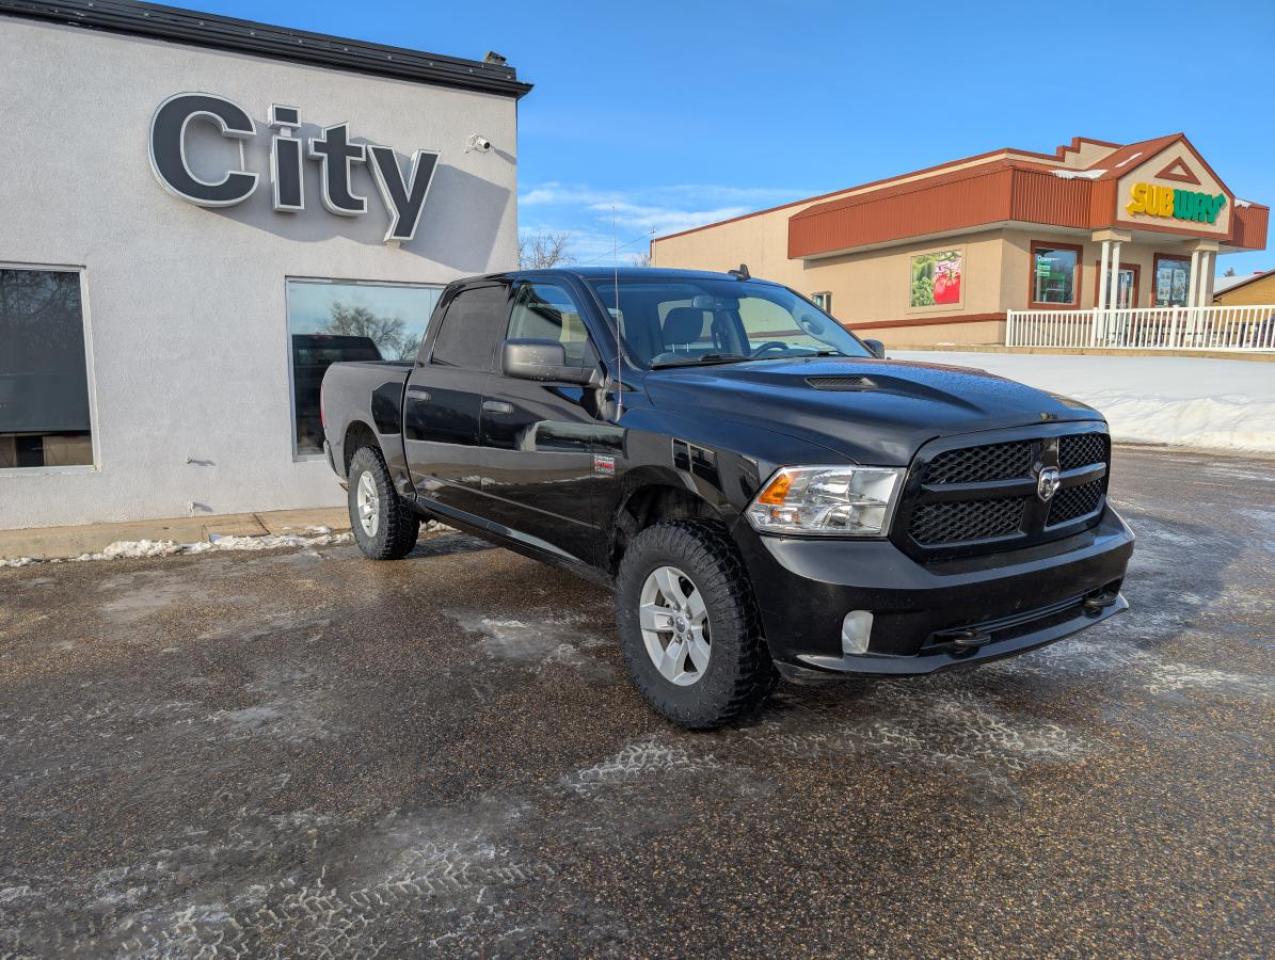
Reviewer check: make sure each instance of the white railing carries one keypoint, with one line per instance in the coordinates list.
(1239, 328)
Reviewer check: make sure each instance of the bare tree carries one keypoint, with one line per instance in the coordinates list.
(388, 333)
(544, 249)
(642, 260)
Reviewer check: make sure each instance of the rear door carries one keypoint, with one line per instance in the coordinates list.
(539, 438)
(443, 401)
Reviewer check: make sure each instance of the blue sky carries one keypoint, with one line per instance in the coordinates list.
(676, 114)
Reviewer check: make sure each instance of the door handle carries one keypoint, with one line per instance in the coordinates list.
(497, 406)
(418, 393)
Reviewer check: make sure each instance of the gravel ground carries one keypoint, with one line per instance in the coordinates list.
(304, 754)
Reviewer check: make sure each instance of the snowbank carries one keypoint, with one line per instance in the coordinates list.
(311, 537)
(1185, 401)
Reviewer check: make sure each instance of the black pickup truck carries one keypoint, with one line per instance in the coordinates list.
(765, 493)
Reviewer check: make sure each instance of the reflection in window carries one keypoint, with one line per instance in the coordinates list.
(546, 311)
(331, 322)
(44, 393)
(1054, 274)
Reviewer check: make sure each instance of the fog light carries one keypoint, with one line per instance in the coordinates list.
(856, 630)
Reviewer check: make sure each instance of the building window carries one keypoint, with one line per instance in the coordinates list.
(1172, 280)
(1055, 277)
(333, 320)
(44, 386)
(823, 300)
(936, 279)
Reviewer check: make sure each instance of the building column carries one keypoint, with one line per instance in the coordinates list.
(1108, 264)
(1206, 271)
(1103, 273)
(1113, 287)
(1195, 276)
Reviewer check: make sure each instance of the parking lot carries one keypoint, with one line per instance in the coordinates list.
(303, 754)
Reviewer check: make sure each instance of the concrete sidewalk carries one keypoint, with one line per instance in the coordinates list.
(48, 543)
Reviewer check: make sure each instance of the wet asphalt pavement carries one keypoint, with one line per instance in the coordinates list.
(305, 754)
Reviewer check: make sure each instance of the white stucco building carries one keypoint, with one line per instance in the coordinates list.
(198, 214)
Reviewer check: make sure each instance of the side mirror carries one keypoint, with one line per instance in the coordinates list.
(543, 360)
(877, 348)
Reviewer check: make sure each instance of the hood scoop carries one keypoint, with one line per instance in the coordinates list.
(842, 382)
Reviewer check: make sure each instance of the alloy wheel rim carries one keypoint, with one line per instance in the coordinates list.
(675, 628)
(368, 503)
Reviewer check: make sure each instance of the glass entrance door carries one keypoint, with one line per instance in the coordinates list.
(1126, 283)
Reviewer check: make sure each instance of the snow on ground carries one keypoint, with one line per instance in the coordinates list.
(1185, 401)
(311, 537)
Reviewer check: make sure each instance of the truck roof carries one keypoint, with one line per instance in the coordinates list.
(607, 273)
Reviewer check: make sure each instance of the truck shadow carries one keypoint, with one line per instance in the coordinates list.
(449, 544)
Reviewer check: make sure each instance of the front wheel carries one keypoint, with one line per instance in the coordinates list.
(384, 526)
(689, 627)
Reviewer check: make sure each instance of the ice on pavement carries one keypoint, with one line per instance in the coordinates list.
(1182, 401)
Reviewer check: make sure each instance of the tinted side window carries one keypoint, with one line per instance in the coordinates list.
(546, 311)
(473, 325)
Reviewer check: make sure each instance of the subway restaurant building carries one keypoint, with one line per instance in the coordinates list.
(939, 256)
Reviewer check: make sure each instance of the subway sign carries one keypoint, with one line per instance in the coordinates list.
(1191, 205)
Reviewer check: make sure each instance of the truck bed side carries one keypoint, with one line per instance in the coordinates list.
(363, 400)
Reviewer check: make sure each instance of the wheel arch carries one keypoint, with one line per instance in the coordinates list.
(358, 434)
(651, 495)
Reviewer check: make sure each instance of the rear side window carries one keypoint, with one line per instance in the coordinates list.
(546, 311)
(472, 327)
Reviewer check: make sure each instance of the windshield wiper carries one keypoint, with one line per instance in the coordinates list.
(704, 359)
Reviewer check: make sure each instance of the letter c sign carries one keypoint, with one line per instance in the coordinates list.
(168, 149)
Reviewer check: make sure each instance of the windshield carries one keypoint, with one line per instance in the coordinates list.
(683, 321)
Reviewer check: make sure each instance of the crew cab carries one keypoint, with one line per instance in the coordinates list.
(766, 493)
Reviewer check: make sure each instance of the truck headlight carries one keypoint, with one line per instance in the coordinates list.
(828, 501)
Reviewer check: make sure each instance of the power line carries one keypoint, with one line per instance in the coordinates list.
(617, 248)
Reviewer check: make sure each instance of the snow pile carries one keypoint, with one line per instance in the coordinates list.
(133, 549)
(1184, 401)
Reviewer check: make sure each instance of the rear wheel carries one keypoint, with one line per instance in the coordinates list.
(688, 624)
(384, 525)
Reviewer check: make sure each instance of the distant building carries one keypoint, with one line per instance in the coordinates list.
(1240, 290)
(939, 255)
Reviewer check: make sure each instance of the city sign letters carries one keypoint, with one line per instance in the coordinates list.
(402, 195)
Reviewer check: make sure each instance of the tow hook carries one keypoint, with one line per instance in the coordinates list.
(1095, 604)
(969, 639)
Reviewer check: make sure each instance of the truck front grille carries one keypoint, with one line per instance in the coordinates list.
(957, 521)
(972, 499)
(991, 461)
(1075, 502)
(1082, 449)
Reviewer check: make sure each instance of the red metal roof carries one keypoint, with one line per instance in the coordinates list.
(994, 191)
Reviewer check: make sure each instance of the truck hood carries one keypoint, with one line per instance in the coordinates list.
(871, 411)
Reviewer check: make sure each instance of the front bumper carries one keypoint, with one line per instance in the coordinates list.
(929, 617)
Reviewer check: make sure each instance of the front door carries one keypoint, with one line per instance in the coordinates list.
(1126, 287)
(442, 406)
(539, 437)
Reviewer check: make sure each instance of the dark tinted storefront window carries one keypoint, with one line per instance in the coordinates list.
(1172, 280)
(331, 322)
(1054, 274)
(44, 393)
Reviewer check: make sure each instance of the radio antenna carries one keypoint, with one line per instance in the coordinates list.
(615, 268)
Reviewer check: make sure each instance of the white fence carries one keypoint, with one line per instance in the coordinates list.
(1246, 328)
